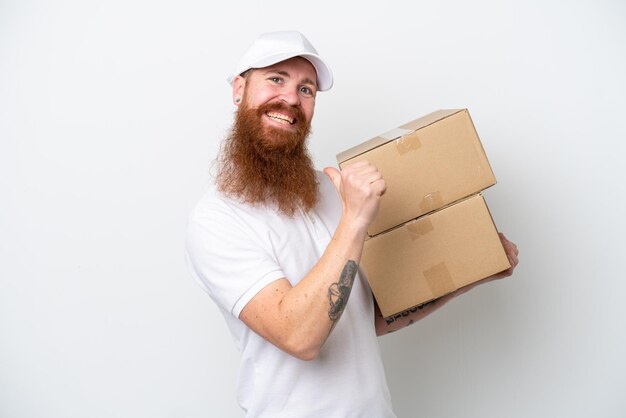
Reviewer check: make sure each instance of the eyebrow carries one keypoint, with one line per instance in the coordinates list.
(306, 80)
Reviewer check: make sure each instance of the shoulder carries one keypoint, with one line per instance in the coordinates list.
(221, 228)
(218, 210)
(212, 201)
(218, 221)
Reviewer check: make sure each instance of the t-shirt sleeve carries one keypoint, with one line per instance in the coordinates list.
(230, 256)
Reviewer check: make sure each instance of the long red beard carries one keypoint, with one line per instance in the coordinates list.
(268, 166)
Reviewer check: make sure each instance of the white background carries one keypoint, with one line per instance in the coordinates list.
(111, 111)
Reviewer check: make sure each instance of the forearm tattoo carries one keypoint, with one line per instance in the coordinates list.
(339, 292)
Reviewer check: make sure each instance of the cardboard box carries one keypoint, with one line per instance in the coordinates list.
(434, 255)
(427, 163)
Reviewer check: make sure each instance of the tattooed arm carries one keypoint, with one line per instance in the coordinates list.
(338, 293)
(298, 319)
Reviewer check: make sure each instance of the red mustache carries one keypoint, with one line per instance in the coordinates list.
(294, 112)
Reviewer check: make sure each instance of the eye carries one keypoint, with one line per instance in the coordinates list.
(275, 79)
(307, 91)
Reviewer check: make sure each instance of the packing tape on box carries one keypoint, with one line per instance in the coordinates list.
(419, 228)
(431, 201)
(407, 143)
(439, 280)
(395, 133)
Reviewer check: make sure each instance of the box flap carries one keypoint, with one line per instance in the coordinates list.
(396, 133)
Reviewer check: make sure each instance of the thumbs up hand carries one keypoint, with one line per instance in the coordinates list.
(360, 186)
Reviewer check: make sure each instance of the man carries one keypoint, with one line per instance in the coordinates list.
(277, 245)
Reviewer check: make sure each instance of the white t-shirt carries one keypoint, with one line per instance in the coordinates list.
(234, 251)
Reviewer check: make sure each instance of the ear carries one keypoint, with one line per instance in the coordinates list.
(239, 85)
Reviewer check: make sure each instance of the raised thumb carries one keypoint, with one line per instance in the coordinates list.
(334, 176)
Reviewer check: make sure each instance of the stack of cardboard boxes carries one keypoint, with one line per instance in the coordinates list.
(433, 233)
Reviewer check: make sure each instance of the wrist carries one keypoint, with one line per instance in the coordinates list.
(353, 227)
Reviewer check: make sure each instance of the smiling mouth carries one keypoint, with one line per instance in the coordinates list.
(281, 118)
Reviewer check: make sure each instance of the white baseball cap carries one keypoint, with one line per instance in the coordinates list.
(271, 48)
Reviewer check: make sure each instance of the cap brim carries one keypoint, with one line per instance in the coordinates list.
(324, 75)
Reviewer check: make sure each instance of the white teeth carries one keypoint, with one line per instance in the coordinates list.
(280, 118)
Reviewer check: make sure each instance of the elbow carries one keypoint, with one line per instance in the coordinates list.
(309, 355)
(303, 350)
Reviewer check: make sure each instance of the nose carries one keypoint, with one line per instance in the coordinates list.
(290, 96)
